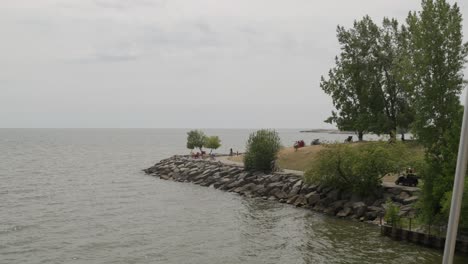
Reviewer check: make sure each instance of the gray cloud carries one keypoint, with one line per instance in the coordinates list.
(178, 63)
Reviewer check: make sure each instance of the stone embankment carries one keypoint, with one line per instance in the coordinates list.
(285, 188)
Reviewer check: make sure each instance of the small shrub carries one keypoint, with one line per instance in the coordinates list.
(357, 167)
(262, 150)
(391, 213)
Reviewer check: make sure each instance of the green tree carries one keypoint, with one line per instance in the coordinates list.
(463, 224)
(436, 58)
(213, 142)
(393, 110)
(350, 82)
(367, 83)
(262, 150)
(196, 139)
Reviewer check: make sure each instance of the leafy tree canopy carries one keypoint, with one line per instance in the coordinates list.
(213, 142)
(196, 139)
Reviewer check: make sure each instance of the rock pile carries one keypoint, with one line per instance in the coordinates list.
(285, 188)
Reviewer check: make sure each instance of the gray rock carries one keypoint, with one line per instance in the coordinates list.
(330, 211)
(378, 202)
(292, 199)
(312, 198)
(371, 216)
(308, 188)
(345, 212)
(207, 182)
(375, 208)
(394, 191)
(165, 177)
(279, 194)
(300, 201)
(359, 209)
(410, 200)
(237, 183)
(274, 185)
(247, 187)
(296, 188)
(326, 201)
(334, 194)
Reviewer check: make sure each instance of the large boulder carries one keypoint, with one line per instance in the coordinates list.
(345, 212)
(410, 200)
(279, 194)
(296, 188)
(335, 207)
(359, 209)
(334, 194)
(292, 199)
(300, 201)
(308, 188)
(312, 198)
(235, 184)
(402, 196)
(371, 216)
(247, 187)
(274, 185)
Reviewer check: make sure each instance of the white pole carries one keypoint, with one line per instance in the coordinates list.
(457, 193)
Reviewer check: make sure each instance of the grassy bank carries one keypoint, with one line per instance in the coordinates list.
(301, 159)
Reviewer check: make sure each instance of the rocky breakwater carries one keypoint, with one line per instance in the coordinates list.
(285, 188)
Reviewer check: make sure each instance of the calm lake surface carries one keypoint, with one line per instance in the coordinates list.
(79, 196)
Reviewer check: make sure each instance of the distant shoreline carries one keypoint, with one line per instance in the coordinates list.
(329, 131)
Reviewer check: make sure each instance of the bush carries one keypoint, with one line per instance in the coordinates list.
(212, 142)
(357, 167)
(262, 150)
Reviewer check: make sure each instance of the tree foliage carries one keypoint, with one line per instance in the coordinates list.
(446, 202)
(196, 139)
(436, 57)
(403, 78)
(350, 81)
(262, 150)
(213, 142)
(367, 84)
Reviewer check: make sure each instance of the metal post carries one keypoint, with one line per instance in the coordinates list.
(457, 193)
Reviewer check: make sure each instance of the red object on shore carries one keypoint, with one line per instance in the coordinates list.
(299, 144)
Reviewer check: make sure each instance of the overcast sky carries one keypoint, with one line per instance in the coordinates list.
(174, 63)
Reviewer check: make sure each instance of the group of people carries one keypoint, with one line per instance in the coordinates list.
(299, 144)
(202, 154)
(198, 155)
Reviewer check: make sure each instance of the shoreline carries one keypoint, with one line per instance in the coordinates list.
(284, 187)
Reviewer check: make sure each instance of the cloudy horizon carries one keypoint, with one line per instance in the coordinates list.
(174, 64)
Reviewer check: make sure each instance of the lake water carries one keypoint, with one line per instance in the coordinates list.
(79, 196)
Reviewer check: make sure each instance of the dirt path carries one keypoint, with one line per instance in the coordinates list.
(225, 160)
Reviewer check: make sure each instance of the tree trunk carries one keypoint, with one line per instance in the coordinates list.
(402, 136)
(360, 135)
